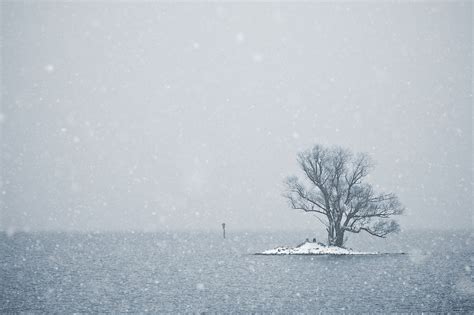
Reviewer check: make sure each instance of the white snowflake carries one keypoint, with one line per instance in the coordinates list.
(49, 68)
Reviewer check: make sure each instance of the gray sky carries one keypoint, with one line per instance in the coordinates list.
(182, 116)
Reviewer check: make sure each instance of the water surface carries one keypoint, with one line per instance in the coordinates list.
(200, 272)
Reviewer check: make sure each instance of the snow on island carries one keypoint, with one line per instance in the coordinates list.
(313, 248)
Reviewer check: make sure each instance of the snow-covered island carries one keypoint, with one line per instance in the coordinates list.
(313, 248)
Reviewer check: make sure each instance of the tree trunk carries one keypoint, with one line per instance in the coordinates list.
(339, 238)
(335, 235)
(331, 234)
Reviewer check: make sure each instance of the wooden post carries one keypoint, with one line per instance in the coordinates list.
(223, 228)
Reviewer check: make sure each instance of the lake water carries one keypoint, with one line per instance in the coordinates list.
(200, 272)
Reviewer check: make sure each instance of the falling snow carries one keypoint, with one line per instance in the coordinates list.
(130, 131)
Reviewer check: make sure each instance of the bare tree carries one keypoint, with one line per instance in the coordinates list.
(337, 195)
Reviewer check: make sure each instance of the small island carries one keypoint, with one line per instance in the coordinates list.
(313, 248)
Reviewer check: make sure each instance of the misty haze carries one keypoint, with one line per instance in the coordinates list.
(236, 158)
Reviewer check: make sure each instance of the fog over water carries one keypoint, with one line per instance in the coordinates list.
(162, 116)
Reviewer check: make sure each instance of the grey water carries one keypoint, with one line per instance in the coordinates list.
(201, 272)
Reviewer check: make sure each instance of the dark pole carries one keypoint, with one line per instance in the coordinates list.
(223, 228)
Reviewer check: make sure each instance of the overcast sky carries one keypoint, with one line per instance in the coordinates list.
(154, 116)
